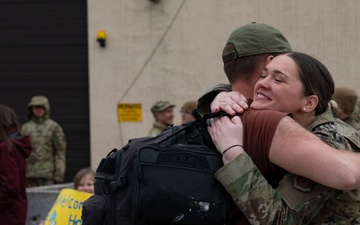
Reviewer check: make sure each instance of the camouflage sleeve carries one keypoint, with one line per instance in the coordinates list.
(258, 201)
(204, 101)
(59, 144)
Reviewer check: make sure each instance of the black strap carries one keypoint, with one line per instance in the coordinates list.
(115, 186)
(231, 56)
(205, 123)
(201, 121)
(118, 181)
(186, 126)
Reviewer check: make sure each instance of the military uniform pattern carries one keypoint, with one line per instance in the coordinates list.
(356, 113)
(297, 200)
(156, 129)
(344, 206)
(48, 158)
(47, 162)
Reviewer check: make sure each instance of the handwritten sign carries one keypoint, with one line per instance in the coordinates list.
(67, 208)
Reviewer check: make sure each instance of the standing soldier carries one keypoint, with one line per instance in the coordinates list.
(163, 112)
(346, 99)
(356, 113)
(46, 164)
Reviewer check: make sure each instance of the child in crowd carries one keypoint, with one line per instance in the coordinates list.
(83, 181)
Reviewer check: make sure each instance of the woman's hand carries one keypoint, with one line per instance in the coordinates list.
(229, 102)
(225, 133)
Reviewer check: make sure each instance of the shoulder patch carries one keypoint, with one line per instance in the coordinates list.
(302, 184)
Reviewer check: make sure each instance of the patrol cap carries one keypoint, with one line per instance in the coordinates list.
(256, 38)
(161, 106)
(346, 99)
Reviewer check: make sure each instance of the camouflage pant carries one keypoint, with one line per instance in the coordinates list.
(34, 182)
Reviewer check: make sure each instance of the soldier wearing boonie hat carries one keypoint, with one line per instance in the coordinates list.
(163, 113)
(46, 164)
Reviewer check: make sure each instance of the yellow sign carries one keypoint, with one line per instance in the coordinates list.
(67, 208)
(129, 112)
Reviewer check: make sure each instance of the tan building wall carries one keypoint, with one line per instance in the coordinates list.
(171, 50)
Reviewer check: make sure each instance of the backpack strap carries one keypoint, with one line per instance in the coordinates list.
(176, 130)
(115, 185)
(203, 123)
(118, 181)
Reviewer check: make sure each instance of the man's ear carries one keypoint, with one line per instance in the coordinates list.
(310, 103)
(269, 58)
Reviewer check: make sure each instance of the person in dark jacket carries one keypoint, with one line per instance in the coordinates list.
(14, 149)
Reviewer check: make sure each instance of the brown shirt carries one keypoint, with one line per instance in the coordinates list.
(259, 130)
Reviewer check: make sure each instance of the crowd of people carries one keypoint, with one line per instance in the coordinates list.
(289, 147)
(32, 154)
(163, 112)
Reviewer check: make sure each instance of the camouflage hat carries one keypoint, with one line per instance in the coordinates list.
(38, 100)
(161, 106)
(256, 38)
(346, 99)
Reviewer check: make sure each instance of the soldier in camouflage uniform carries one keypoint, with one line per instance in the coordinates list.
(255, 197)
(163, 112)
(356, 113)
(46, 164)
(346, 99)
(296, 200)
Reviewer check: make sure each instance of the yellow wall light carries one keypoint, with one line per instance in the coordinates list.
(101, 38)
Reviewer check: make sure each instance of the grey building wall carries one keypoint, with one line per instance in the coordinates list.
(171, 50)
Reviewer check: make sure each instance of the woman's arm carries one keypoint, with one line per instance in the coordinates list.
(297, 151)
(205, 101)
(300, 152)
(258, 201)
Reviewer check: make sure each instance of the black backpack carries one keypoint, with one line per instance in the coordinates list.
(167, 179)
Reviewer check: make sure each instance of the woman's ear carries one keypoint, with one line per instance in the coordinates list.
(310, 103)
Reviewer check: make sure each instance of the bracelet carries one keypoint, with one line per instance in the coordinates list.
(223, 152)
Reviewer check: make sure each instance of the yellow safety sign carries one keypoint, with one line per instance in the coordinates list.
(129, 112)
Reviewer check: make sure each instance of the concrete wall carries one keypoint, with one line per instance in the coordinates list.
(172, 50)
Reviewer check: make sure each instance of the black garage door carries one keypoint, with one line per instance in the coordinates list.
(43, 51)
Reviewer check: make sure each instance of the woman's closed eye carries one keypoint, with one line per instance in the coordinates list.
(278, 80)
(262, 76)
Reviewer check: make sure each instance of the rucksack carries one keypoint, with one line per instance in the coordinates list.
(167, 179)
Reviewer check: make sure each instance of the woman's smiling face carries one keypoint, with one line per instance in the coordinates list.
(279, 87)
